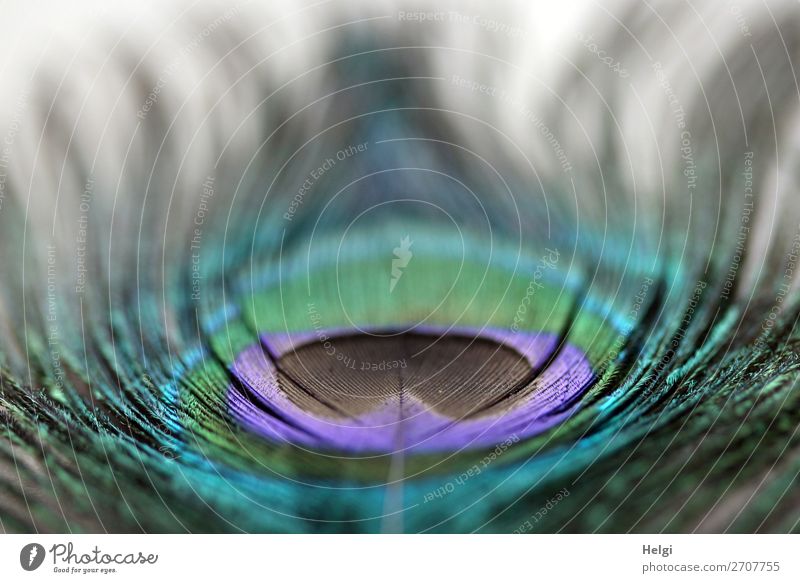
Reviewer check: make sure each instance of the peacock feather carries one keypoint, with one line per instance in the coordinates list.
(332, 268)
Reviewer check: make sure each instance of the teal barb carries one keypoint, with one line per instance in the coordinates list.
(404, 318)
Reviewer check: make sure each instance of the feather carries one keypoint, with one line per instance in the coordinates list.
(316, 269)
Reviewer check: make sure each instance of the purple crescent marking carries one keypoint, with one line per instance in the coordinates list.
(267, 410)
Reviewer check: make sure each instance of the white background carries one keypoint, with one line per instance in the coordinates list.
(411, 559)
